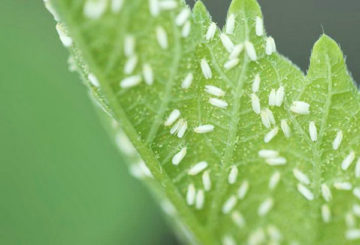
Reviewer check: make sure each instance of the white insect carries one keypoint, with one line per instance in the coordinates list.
(130, 81)
(205, 68)
(213, 90)
(356, 192)
(356, 209)
(250, 50)
(268, 153)
(185, 32)
(167, 4)
(255, 104)
(64, 37)
(174, 115)
(148, 74)
(285, 128)
(256, 83)
(348, 160)
(200, 199)
(140, 170)
(226, 42)
(300, 176)
(313, 131)
(265, 207)
(230, 24)
(177, 126)
(238, 219)
(211, 31)
(236, 51)
(187, 81)
(228, 240)
(344, 186)
(233, 175)
(277, 161)
(124, 143)
(270, 135)
(337, 141)
(349, 220)
(178, 157)
(231, 64)
(265, 118)
(93, 80)
(116, 5)
(280, 94)
(270, 115)
(229, 204)
(272, 97)
(190, 195)
(182, 129)
(198, 168)
(154, 7)
(259, 26)
(300, 107)
(182, 17)
(130, 65)
(352, 234)
(274, 234)
(202, 129)
(326, 192)
(274, 180)
(257, 237)
(270, 47)
(162, 38)
(218, 103)
(357, 168)
(206, 181)
(243, 189)
(52, 11)
(94, 9)
(129, 45)
(305, 192)
(325, 213)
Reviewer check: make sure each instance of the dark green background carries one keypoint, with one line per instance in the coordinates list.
(61, 179)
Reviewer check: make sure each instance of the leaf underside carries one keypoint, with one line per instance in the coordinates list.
(291, 179)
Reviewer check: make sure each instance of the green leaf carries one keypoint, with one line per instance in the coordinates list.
(260, 153)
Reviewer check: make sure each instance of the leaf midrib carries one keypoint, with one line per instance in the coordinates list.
(221, 182)
(317, 154)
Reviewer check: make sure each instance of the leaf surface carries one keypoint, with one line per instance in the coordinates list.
(242, 147)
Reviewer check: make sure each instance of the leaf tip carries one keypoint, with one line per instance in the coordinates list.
(251, 6)
(199, 7)
(200, 10)
(327, 45)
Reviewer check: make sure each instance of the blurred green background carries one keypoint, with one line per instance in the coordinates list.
(61, 179)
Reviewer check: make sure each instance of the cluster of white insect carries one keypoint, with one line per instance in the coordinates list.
(276, 97)
(131, 64)
(94, 9)
(218, 92)
(272, 157)
(156, 6)
(231, 202)
(267, 235)
(196, 197)
(191, 194)
(302, 185)
(179, 125)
